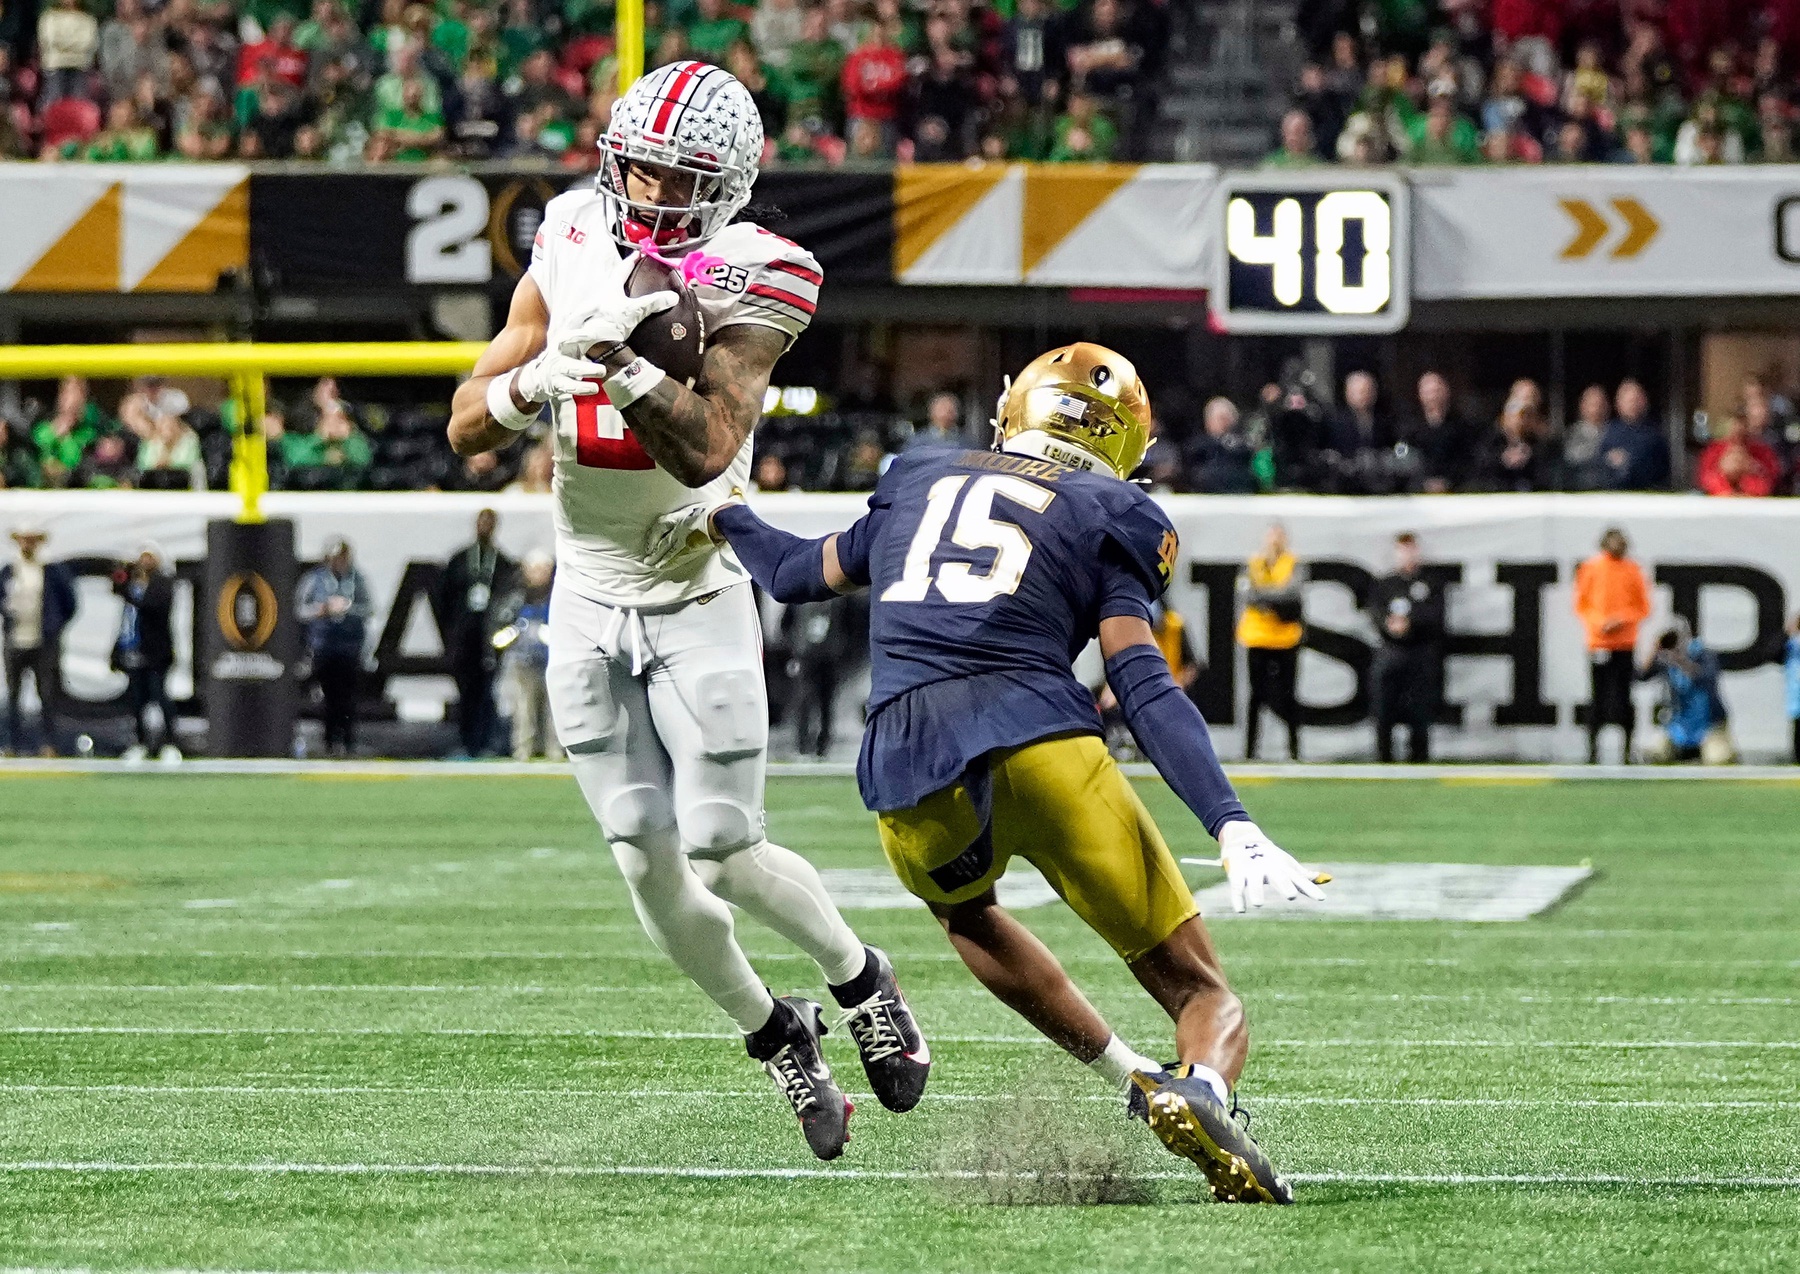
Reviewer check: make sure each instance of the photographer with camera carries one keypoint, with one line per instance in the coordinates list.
(145, 651)
(1696, 727)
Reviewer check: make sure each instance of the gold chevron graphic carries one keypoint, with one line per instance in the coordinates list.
(1592, 227)
(1058, 199)
(220, 242)
(86, 258)
(1641, 227)
(929, 199)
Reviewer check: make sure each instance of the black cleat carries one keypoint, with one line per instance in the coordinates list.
(895, 1056)
(797, 1065)
(1187, 1117)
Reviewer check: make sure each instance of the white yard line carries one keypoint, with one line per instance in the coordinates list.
(718, 1094)
(361, 988)
(946, 1039)
(847, 1174)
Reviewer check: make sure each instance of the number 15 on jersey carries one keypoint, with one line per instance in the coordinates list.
(1313, 253)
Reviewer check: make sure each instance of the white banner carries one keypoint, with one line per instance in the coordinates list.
(1516, 672)
(1594, 230)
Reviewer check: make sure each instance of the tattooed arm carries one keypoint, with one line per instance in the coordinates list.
(694, 434)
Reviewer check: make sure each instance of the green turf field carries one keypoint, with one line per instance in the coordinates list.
(340, 1024)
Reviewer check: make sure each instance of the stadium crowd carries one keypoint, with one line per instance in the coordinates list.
(1289, 439)
(405, 80)
(1545, 81)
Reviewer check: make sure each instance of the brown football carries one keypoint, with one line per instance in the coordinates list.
(675, 339)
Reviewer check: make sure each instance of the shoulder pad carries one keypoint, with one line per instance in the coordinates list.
(1137, 524)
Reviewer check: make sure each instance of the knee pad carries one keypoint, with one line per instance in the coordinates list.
(733, 715)
(631, 813)
(581, 704)
(717, 826)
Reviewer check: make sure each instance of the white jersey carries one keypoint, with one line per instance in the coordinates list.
(609, 493)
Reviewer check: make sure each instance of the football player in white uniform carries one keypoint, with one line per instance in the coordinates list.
(655, 672)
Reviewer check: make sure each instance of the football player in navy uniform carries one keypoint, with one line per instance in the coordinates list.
(990, 570)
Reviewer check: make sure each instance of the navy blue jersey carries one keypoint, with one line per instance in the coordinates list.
(989, 574)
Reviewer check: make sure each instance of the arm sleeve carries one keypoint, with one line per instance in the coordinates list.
(1172, 733)
(788, 568)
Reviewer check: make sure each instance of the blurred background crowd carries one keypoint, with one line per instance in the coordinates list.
(1358, 437)
(1543, 81)
(408, 80)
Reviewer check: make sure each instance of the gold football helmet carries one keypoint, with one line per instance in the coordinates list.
(1079, 405)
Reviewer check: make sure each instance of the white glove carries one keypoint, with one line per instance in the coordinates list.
(1252, 862)
(675, 535)
(614, 323)
(554, 374)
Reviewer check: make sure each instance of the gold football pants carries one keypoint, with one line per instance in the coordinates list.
(1064, 807)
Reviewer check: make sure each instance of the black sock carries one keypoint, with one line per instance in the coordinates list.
(769, 1038)
(862, 986)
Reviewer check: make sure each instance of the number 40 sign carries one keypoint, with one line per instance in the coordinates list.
(1305, 252)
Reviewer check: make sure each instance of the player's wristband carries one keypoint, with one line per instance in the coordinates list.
(1171, 732)
(501, 407)
(632, 381)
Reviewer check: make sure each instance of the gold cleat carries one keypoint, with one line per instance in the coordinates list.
(1188, 1118)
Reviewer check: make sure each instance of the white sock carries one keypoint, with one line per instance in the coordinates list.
(784, 891)
(1117, 1060)
(1214, 1081)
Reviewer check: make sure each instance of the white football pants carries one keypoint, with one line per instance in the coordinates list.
(665, 721)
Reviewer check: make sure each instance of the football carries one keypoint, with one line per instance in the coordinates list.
(675, 339)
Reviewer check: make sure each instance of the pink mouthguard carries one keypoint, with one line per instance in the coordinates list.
(694, 267)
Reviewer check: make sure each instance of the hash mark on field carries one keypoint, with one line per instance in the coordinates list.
(854, 1174)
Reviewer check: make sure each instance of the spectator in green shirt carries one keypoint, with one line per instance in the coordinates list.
(1083, 134)
(1297, 146)
(334, 454)
(713, 31)
(520, 36)
(450, 36)
(815, 63)
(408, 133)
(1443, 136)
(63, 438)
(124, 140)
(405, 69)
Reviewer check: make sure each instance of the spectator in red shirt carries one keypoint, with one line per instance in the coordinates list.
(286, 63)
(1738, 464)
(874, 81)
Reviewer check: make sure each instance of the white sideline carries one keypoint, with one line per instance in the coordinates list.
(1474, 774)
(854, 1174)
(531, 1033)
(716, 1094)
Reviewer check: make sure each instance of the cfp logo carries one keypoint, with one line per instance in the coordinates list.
(247, 611)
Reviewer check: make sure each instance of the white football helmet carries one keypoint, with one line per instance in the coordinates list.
(697, 119)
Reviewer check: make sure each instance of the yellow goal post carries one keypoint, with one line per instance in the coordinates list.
(244, 366)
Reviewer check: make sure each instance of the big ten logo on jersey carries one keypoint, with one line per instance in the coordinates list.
(602, 438)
